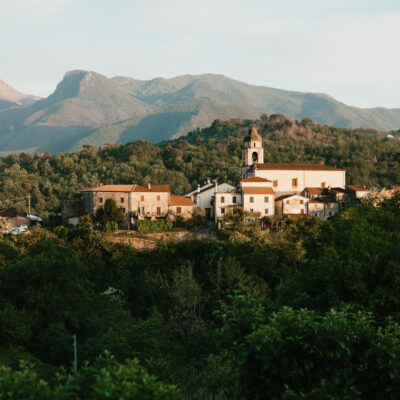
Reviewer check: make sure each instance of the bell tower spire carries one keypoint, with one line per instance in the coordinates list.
(253, 152)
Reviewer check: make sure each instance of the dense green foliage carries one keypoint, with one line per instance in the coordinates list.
(212, 153)
(105, 378)
(308, 311)
(110, 212)
(146, 226)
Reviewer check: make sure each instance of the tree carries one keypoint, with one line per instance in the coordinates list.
(110, 212)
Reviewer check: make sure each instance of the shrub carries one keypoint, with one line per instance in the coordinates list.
(110, 227)
(146, 226)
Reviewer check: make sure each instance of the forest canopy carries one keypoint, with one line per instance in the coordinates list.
(369, 156)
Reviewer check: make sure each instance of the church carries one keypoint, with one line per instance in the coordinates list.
(290, 190)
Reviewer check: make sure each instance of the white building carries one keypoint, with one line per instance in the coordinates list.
(203, 196)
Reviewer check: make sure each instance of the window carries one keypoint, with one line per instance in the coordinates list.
(101, 199)
(294, 182)
(123, 209)
(323, 184)
(251, 199)
(158, 198)
(251, 210)
(142, 210)
(266, 199)
(222, 199)
(222, 210)
(179, 210)
(255, 157)
(122, 200)
(301, 201)
(287, 201)
(266, 211)
(275, 183)
(234, 199)
(158, 210)
(141, 198)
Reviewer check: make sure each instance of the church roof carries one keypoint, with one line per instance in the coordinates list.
(252, 135)
(295, 167)
(255, 179)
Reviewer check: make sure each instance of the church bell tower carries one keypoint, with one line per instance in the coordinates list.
(253, 152)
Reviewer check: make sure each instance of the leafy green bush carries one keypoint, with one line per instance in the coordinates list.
(146, 226)
(110, 227)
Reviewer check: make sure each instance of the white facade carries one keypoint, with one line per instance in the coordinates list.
(203, 196)
(259, 203)
(291, 205)
(296, 179)
(224, 201)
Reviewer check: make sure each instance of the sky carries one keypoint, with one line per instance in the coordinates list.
(348, 49)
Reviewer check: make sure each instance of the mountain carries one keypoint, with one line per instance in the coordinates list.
(81, 100)
(9, 97)
(88, 108)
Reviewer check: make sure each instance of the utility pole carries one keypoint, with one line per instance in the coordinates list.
(75, 356)
(29, 188)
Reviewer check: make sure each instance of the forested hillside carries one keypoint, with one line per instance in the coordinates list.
(309, 311)
(370, 158)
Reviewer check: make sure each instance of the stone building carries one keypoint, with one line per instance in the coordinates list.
(137, 202)
(181, 206)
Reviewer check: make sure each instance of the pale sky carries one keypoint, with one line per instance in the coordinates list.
(346, 48)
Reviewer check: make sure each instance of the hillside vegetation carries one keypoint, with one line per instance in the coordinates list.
(369, 157)
(308, 311)
(89, 108)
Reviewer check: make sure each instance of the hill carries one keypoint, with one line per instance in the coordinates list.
(88, 108)
(81, 100)
(9, 97)
(369, 157)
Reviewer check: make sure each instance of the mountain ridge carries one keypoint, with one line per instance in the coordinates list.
(89, 108)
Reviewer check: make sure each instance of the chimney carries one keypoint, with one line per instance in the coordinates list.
(149, 186)
(216, 186)
(198, 188)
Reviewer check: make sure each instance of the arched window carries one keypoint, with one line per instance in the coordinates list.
(255, 156)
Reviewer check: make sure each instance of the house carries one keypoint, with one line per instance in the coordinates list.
(357, 191)
(223, 201)
(291, 204)
(204, 196)
(181, 206)
(137, 202)
(322, 207)
(258, 196)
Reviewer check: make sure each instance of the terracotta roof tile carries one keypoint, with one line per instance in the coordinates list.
(356, 188)
(258, 190)
(289, 167)
(129, 188)
(255, 179)
(286, 196)
(180, 200)
(315, 190)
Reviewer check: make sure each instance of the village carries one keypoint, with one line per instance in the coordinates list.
(265, 190)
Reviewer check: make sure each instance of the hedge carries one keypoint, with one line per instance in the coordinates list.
(146, 226)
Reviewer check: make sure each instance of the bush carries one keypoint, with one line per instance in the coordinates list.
(110, 227)
(146, 226)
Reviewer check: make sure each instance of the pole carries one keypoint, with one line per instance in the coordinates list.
(29, 205)
(75, 356)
